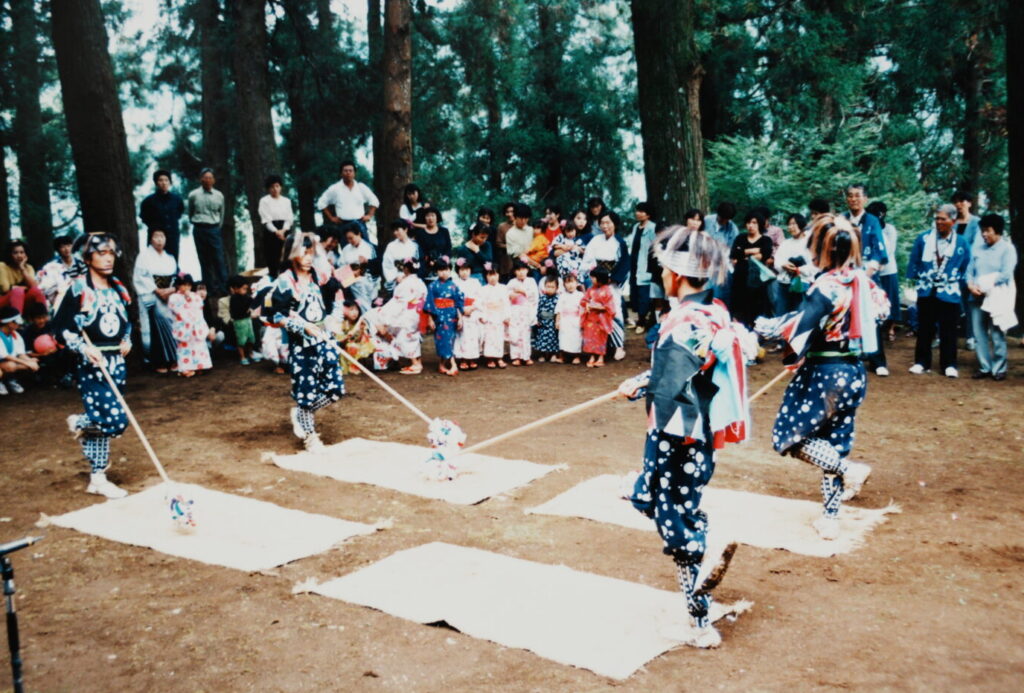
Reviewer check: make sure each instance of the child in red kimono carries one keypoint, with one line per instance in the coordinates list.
(598, 314)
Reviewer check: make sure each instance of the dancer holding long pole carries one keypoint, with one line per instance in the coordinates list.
(696, 403)
(96, 304)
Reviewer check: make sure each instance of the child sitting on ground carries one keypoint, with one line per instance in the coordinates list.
(190, 329)
(545, 336)
(13, 357)
(568, 315)
(352, 333)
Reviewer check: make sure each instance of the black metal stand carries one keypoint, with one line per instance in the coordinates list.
(7, 573)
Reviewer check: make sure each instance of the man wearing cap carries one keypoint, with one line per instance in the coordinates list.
(92, 321)
(206, 212)
(13, 357)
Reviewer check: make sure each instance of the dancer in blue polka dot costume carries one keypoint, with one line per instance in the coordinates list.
(696, 403)
(96, 304)
(297, 304)
(825, 339)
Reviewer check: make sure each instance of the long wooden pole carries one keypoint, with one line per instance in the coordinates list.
(131, 416)
(390, 390)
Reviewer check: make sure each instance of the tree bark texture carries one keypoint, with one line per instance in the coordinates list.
(396, 125)
(375, 41)
(28, 141)
(95, 126)
(668, 83)
(5, 195)
(257, 147)
(1015, 114)
(216, 151)
(549, 56)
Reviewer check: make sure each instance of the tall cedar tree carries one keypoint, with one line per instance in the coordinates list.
(216, 114)
(668, 86)
(29, 143)
(257, 147)
(1015, 86)
(95, 126)
(396, 125)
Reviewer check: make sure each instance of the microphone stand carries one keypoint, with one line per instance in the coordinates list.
(7, 575)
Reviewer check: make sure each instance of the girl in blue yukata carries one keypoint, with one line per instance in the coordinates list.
(296, 304)
(825, 340)
(696, 403)
(444, 304)
(96, 305)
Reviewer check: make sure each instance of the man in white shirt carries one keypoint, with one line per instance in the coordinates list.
(520, 235)
(348, 200)
(277, 219)
(55, 275)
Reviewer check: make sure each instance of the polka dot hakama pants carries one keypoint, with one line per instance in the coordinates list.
(104, 417)
(669, 491)
(316, 379)
(816, 421)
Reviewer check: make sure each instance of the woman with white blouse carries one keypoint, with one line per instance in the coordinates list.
(277, 219)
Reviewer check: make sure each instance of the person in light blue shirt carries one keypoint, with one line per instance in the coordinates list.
(990, 276)
(724, 230)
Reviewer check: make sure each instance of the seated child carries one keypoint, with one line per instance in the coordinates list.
(352, 333)
(13, 357)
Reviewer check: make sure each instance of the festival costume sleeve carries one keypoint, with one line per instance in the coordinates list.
(64, 325)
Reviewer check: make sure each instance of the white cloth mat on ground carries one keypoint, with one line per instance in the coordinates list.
(232, 531)
(749, 518)
(402, 468)
(599, 623)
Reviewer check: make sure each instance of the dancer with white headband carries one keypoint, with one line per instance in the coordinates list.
(696, 403)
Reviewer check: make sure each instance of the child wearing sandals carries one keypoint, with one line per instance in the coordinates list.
(523, 295)
(468, 341)
(598, 316)
(545, 336)
(495, 312)
(568, 314)
(444, 306)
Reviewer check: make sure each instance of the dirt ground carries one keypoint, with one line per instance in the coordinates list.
(933, 601)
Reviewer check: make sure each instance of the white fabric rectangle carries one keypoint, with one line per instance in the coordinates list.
(599, 623)
(748, 518)
(403, 468)
(232, 531)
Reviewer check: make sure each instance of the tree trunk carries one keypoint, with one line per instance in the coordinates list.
(668, 84)
(95, 126)
(1015, 114)
(375, 41)
(216, 117)
(549, 55)
(257, 148)
(28, 141)
(5, 195)
(971, 85)
(396, 125)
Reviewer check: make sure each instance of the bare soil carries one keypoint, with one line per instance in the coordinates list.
(933, 601)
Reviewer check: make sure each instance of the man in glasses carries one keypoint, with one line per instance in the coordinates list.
(938, 264)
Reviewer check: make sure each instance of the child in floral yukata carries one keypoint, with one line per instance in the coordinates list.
(696, 403)
(825, 340)
(568, 314)
(523, 294)
(190, 330)
(495, 313)
(467, 342)
(96, 304)
(545, 335)
(598, 317)
(352, 333)
(399, 319)
(297, 304)
(444, 305)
